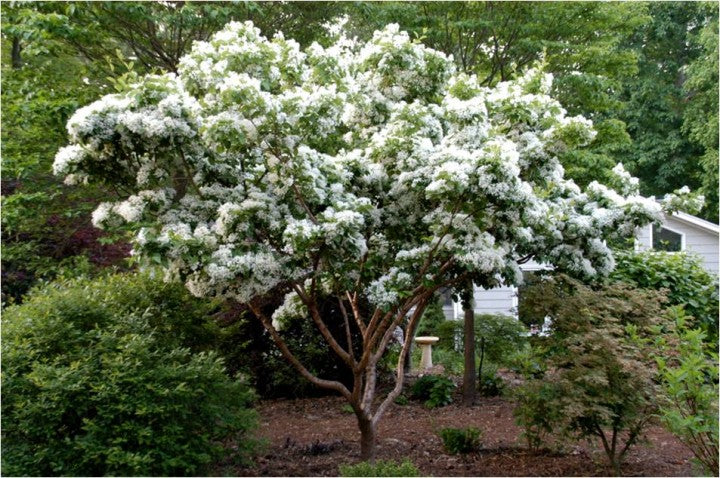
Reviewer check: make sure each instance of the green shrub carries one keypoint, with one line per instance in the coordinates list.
(538, 412)
(600, 380)
(682, 275)
(401, 400)
(460, 440)
(451, 360)
(491, 385)
(435, 390)
(497, 337)
(110, 378)
(380, 468)
(689, 379)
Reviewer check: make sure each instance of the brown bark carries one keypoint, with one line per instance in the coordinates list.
(368, 439)
(469, 385)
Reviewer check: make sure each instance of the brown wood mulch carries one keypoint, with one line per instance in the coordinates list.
(312, 437)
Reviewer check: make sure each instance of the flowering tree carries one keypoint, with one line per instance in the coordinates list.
(370, 174)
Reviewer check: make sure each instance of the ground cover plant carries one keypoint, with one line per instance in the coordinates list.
(460, 440)
(114, 377)
(370, 173)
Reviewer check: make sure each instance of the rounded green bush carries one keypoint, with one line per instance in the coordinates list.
(112, 377)
(684, 278)
(460, 440)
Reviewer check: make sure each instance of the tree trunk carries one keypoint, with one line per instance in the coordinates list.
(469, 384)
(15, 55)
(407, 366)
(482, 359)
(368, 439)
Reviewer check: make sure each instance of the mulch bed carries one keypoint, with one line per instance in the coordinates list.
(312, 437)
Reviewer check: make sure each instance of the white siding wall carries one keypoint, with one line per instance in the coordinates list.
(697, 240)
(499, 300)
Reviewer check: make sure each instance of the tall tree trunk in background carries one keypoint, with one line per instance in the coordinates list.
(469, 384)
(482, 358)
(16, 56)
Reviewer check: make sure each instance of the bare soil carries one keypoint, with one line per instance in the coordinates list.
(312, 437)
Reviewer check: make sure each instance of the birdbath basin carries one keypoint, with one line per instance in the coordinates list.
(425, 344)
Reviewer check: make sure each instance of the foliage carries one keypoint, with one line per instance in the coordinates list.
(600, 379)
(491, 384)
(431, 319)
(451, 360)
(538, 411)
(45, 228)
(661, 103)
(502, 335)
(110, 377)
(686, 281)
(700, 119)
(688, 372)
(497, 339)
(460, 440)
(435, 390)
(380, 468)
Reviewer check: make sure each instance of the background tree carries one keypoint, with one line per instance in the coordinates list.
(663, 155)
(700, 120)
(367, 173)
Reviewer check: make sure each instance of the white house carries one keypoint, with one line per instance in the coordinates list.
(679, 232)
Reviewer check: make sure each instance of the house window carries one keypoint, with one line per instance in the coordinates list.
(665, 239)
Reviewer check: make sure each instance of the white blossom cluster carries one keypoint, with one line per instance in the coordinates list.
(360, 164)
(683, 200)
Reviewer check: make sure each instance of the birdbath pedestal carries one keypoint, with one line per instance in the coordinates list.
(425, 344)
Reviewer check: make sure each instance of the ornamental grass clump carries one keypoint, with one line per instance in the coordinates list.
(371, 174)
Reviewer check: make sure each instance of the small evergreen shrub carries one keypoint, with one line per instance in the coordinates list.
(460, 440)
(109, 377)
(380, 468)
(435, 390)
(432, 318)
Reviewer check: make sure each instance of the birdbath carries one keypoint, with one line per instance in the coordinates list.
(425, 344)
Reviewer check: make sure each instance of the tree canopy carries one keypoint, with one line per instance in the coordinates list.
(642, 72)
(370, 172)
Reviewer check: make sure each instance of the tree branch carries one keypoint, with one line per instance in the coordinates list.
(327, 384)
